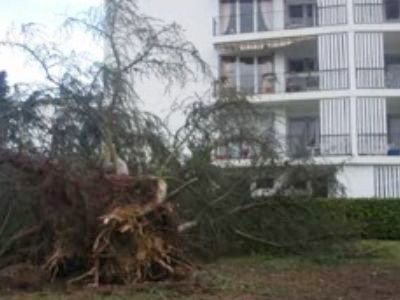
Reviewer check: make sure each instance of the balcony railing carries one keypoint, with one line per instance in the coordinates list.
(278, 20)
(318, 145)
(265, 21)
(300, 146)
(375, 78)
(373, 144)
(376, 13)
(297, 146)
(275, 83)
(379, 144)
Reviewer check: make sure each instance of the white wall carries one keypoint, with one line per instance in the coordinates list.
(358, 181)
(195, 17)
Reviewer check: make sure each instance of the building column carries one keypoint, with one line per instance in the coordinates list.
(280, 70)
(237, 73)
(280, 127)
(255, 11)
(352, 80)
(238, 29)
(353, 126)
(256, 76)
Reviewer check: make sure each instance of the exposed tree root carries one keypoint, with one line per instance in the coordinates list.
(100, 229)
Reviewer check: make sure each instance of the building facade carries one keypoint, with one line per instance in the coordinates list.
(328, 69)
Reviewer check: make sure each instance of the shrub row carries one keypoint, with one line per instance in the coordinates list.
(301, 226)
(378, 218)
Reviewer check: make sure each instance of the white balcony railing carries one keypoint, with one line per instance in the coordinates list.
(378, 78)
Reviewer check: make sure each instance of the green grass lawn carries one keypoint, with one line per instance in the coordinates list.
(374, 275)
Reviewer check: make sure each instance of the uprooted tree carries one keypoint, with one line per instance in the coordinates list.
(69, 144)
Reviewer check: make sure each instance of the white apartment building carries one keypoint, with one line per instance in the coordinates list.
(328, 69)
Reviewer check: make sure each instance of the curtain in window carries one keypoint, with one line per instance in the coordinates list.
(228, 17)
(335, 124)
(372, 125)
(368, 11)
(332, 12)
(333, 61)
(264, 15)
(370, 59)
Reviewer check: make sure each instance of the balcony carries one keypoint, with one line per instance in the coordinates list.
(247, 17)
(388, 11)
(301, 146)
(379, 127)
(373, 144)
(293, 82)
(378, 60)
(298, 147)
(379, 78)
(266, 21)
(379, 144)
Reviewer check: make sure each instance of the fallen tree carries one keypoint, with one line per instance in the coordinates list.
(93, 227)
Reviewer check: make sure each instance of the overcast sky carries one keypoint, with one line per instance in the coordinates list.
(48, 12)
(53, 12)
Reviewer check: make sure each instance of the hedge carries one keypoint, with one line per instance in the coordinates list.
(378, 218)
(301, 226)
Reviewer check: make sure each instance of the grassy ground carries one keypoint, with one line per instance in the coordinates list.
(269, 278)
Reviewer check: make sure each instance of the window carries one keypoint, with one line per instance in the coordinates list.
(296, 11)
(228, 16)
(301, 75)
(243, 16)
(228, 71)
(392, 8)
(301, 15)
(310, 10)
(394, 130)
(247, 75)
(303, 135)
(300, 65)
(392, 59)
(392, 69)
(246, 16)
